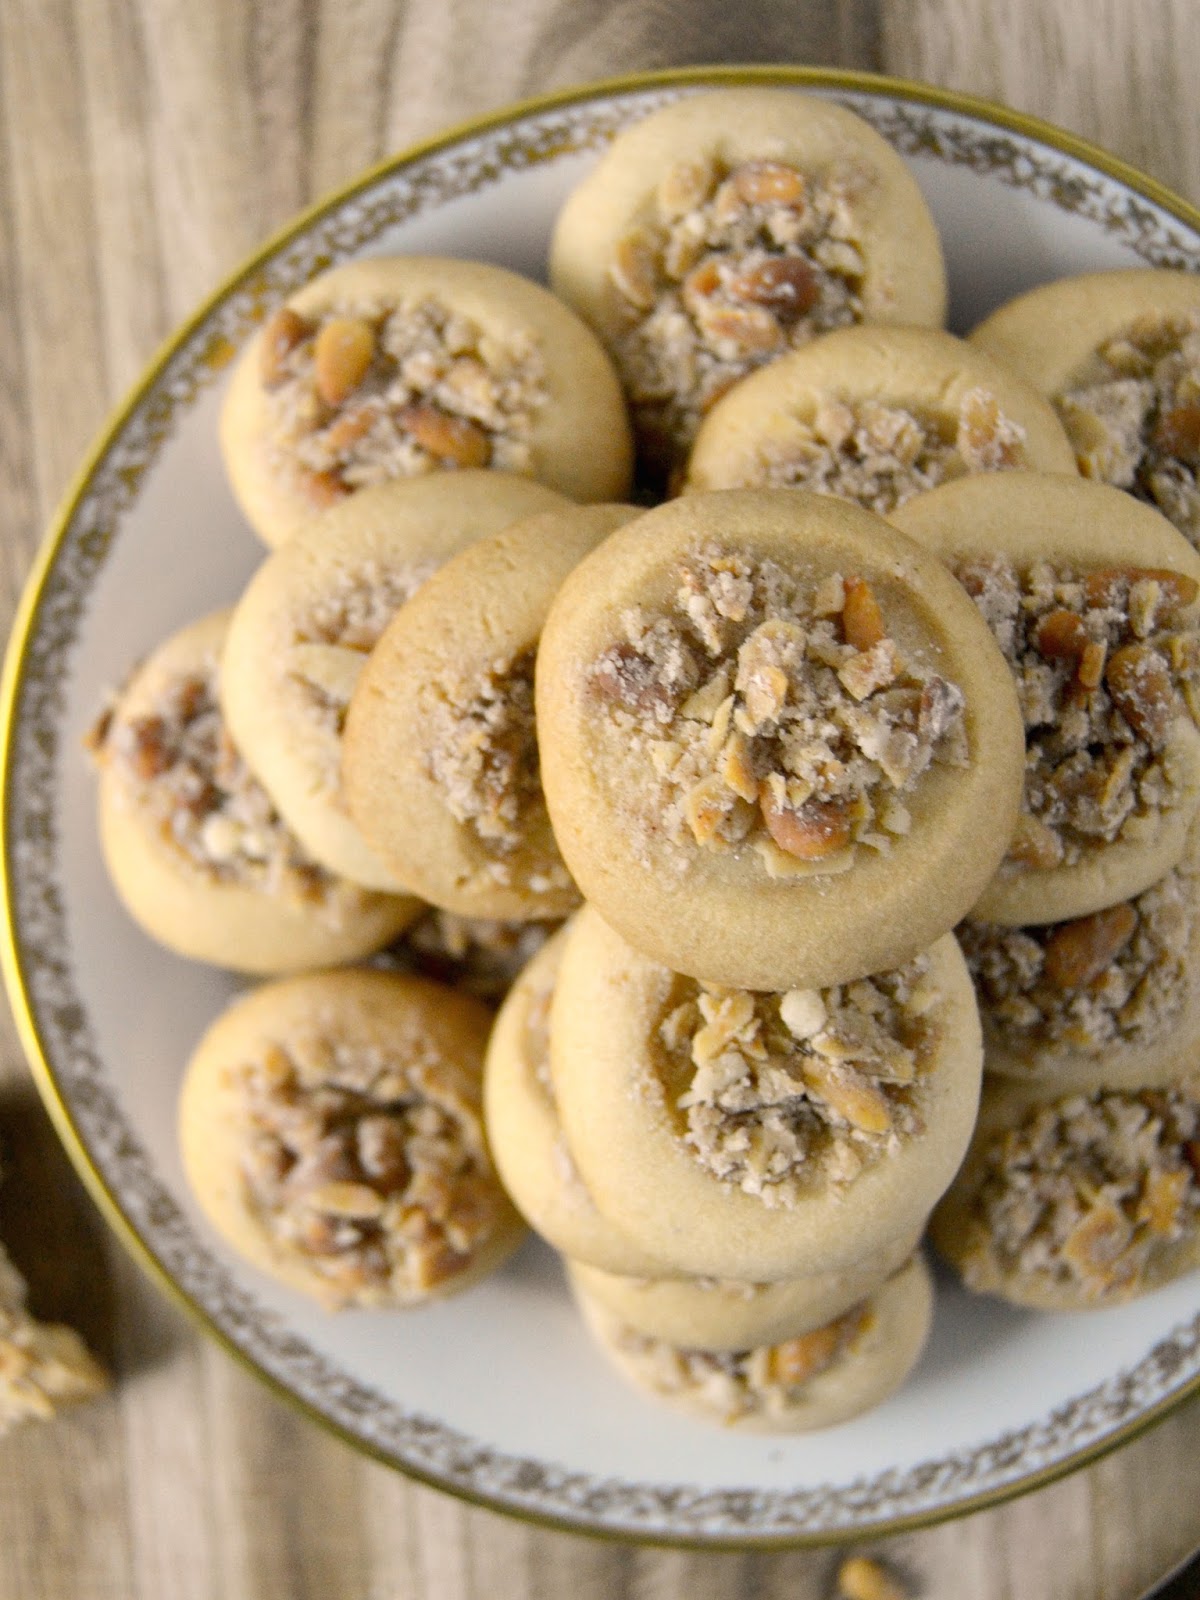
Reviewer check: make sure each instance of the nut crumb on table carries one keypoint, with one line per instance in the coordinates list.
(863, 1578)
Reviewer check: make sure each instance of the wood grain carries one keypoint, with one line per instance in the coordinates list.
(145, 146)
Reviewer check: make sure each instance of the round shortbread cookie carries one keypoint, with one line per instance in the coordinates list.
(196, 851)
(1113, 997)
(393, 367)
(1093, 599)
(778, 744)
(525, 1133)
(724, 1314)
(331, 1131)
(310, 617)
(1067, 1202)
(730, 227)
(762, 1136)
(440, 756)
(876, 415)
(823, 1377)
(1118, 355)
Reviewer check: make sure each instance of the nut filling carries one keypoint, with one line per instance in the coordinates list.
(483, 756)
(481, 955)
(1117, 977)
(741, 1383)
(778, 1093)
(1134, 416)
(1081, 1193)
(182, 767)
(1105, 663)
(368, 392)
(771, 712)
(735, 268)
(880, 456)
(332, 642)
(373, 1169)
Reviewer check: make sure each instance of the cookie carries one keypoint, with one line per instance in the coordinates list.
(393, 367)
(311, 616)
(331, 1132)
(440, 756)
(728, 228)
(823, 1377)
(726, 1314)
(1068, 1203)
(762, 1136)
(1118, 355)
(526, 1137)
(197, 853)
(1112, 997)
(778, 746)
(1093, 600)
(876, 415)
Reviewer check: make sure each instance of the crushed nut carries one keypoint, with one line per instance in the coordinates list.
(1082, 1192)
(861, 1578)
(1099, 695)
(1133, 416)
(881, 455)
(738, 266)
(1116, 977)
(784, 1091)
(771, 714)
(363, 393)
(481, 955)
(370, 1166)
(182, 766)
(482, 753)
(735, 1384)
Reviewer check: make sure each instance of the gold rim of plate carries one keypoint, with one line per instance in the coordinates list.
(718, 1518)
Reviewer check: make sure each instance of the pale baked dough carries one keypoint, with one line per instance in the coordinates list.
(1096, 1232)
(574, 434)
(749, 1392)
(1112, 998)
(1050, 333)
(881, 254)
(1034, 520)
(440, 755)
(331, 1132)
(311, 615)
(526, 1136)
(722, 1314)
(886, 412)
(618, 1090)
(747, 915)
(256, 902)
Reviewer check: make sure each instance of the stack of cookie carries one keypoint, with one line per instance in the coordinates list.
(781, 759)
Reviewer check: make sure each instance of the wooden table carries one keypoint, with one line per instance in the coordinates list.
(145, 146)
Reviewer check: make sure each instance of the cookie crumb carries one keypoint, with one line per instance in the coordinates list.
(862, 1578)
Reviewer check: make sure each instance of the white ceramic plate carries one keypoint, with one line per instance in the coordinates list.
(498, 1396)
